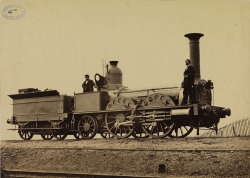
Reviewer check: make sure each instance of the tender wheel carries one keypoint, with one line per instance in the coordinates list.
(180, 131)
(59, 134)
(106, 135)
(87, 127)
(158, 129)
(47, 136)
(25, 134)
(119, 125)
(77, 135)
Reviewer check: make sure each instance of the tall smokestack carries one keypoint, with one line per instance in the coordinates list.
(195, 53)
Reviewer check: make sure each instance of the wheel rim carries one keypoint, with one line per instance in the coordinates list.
(87, 127)
(59, 134)
(47, 136)
(25, 134)
(180, 131)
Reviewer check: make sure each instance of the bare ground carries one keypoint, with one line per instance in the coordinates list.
(188, 157)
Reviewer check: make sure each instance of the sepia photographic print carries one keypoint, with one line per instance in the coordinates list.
(125, 88)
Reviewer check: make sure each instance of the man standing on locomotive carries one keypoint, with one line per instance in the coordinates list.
(188, 83)
(88, 85)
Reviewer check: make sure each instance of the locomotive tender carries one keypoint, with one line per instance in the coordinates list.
(116, 111)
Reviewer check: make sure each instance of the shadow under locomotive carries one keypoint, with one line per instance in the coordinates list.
(115, 111)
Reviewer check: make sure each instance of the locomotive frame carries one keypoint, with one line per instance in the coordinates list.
(114, 111)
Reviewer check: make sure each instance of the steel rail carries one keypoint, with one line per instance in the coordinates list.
(134, 149)
(9, 173)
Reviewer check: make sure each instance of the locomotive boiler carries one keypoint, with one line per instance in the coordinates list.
(116, 111)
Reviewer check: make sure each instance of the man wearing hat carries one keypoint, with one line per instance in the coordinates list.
(88, 85)
(188, 83)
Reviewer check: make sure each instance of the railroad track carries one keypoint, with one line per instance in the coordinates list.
(22, 173)
(136, 149)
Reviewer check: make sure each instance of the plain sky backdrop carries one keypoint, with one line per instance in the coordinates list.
(56, 42)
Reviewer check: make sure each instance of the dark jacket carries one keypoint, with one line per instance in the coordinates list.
(189, 75)
(88, 87)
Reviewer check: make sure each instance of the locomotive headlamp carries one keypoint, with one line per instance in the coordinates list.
(227, 111)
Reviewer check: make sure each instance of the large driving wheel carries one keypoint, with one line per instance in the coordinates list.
(25, 134)
(47, 136)
(158, 129)
(180, 131)
(118, 124)
(60, 133)
(87, 127)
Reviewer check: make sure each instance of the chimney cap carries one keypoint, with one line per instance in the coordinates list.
(113, 63)
(194, 36)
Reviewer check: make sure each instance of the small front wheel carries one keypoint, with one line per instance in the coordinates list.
(180, 131)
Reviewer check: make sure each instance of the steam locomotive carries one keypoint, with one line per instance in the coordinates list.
(115, 111)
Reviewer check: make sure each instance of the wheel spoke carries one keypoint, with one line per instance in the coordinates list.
(162, 128)
(115, 130)
(153, 127)
(181, 131)
(121, 131)
(111, 121)
(185, 128)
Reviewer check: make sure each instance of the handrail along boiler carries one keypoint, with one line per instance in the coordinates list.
(115, 111)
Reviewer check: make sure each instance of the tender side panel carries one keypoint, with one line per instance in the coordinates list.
(41, 105)
(41, 108)
(93, 101)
